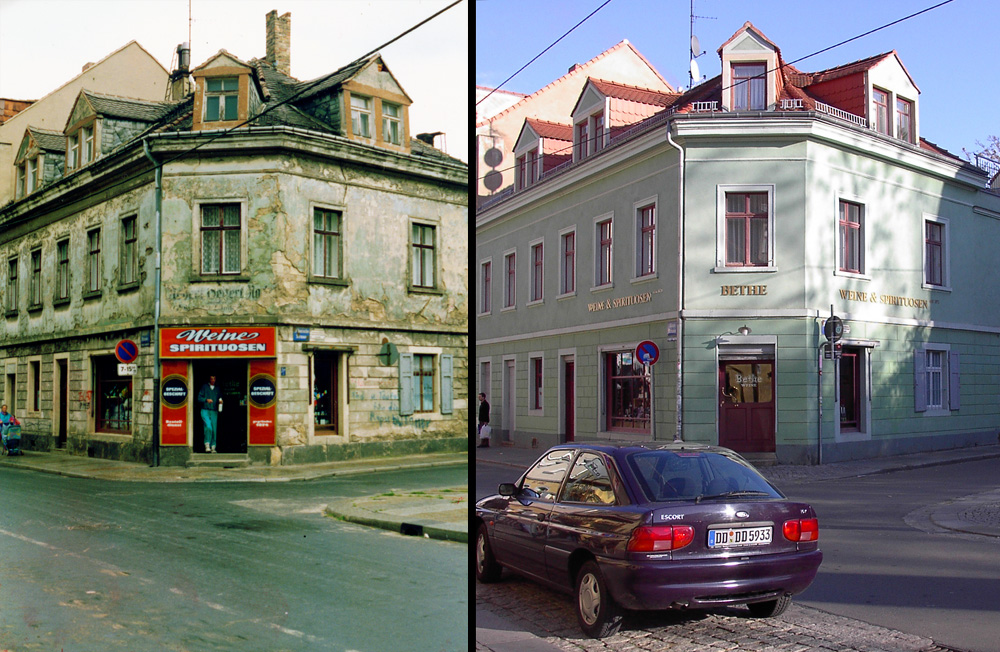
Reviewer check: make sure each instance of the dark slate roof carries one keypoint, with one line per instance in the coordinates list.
(128, 108)
(336, 79)
(50, 141)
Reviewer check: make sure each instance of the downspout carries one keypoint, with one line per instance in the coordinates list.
(678, 434)
(156, 302)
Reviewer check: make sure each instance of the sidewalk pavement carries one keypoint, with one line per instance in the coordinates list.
(438, 513)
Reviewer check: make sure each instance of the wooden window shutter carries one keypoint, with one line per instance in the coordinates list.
(447, 384)
(920, 380)
(405, 384)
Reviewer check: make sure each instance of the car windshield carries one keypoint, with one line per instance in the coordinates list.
(668, 475)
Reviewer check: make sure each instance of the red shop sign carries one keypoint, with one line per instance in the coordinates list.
(218, 342)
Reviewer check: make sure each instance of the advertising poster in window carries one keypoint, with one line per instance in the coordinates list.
(174, 393)
(262, 394)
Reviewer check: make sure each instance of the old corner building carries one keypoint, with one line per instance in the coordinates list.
(720, 226)
(313, 261)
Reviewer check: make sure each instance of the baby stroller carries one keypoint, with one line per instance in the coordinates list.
(12, 440)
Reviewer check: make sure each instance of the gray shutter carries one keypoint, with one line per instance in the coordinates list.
(447, 384)
(405, 384)
(953, 382)
(920, 380)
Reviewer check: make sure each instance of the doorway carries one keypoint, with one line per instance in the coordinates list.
(746, 405)
(62, 401)
(231, 377)
(508, 399)
(569, 395)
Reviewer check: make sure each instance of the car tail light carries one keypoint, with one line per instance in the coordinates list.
(654, 538)
(806, 529)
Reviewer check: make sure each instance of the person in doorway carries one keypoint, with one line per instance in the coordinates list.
(208, 400)
(484, 421)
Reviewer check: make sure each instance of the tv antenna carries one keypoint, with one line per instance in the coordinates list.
(694, 73)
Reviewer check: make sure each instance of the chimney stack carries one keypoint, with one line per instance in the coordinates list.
(180, 85)
(279, 41)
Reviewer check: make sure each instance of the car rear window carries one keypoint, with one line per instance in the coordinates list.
(665, 475)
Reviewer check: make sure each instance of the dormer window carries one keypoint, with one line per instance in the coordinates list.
(221, 99)
(32, 177)
(74, 152)
(749, 87)
(527, 169)
(87, 147)
(881, 99)
(392, 125)
(904, 119)
(361, 116)
(598, 132)
(581, 140)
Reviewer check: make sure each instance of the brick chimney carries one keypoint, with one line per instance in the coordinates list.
(279, 41)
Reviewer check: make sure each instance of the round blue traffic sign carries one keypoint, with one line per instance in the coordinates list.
(126, 351)
(647, 352)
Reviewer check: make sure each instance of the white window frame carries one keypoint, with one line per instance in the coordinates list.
(720, 228)
(532, 273)
(368, 110)
(507, 282)
(597, 253)
(389, 120)
(576, 261)
(637, 252)
(950, 378)
(945, 253)
(532, 386)
(853, 199)
(485, 298)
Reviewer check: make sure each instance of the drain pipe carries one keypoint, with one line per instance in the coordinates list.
(156, 301)
(678, 434)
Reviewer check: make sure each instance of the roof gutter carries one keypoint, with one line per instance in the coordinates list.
(157, 283)
(678, 434)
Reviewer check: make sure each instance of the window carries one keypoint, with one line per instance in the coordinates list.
(327, 243)
(936, 386)
(392, 124)
(423, 383)
(528, 169)
(12, 286)
(19, 191)
(129, 272)
(35, 284)
(32, 182)
(904, 120)
(542, 481)
(423, 256)
(851, 238)
(567, 252)
(112, 397)
(325, 414)
(589, 481)
(361, 116)
(749, 87)
(598, 132)
(581, 140)
(416, 382)
(936, 253)
(94, 261)
(74, 151)
(485, 287)
(537, 271)
(220, 239)
(510, 273)
(645, 224)
(35, 383)
(221, 98)
(604, 253)
(881, 99)
(627, 392)
(747, 229)
(87, 135)
(535, 382)
(62, 272)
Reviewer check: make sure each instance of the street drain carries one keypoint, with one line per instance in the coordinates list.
(411, 529)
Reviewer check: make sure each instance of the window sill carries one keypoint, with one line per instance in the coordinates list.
(647, 277)
(745, 270)
(11, 314)
(566, 295)
(93, 294)
(335, 282)
(936, 288)
(937, 412)
(59, 303)
(220, 278)
(508, 309)
(412, 289)
(35, 307)
(603, 288)
(855, 275)
(485, 314)
(536, 302)
(128, 287)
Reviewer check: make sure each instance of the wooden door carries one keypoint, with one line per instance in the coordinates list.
(746, 405)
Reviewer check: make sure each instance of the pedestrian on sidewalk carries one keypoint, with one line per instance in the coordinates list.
(484, 429)
(6, 421)
(208, 401)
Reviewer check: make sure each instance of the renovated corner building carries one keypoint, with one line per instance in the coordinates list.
(312, 260)
(720, 228)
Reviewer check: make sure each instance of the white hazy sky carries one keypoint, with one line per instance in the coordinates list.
(45, 43)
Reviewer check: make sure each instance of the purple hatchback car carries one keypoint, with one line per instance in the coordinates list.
(649, 526)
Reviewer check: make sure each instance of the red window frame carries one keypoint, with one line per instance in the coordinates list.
(487, 282)
(934, 243)
(598, 132)
(537, 270)
(851, 243)
(627, 391)
(569, 262)
(749, 220)
(536, 388)
(749, 79)
(850, 390)
(881, 99)
(581, 133)
(510, 296)
(904, 120)
(647, 239)
(604, 252)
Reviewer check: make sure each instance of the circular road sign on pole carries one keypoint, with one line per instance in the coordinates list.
(647, 352)
(126, 351)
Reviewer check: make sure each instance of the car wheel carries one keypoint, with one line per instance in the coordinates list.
(487, 567)
(598, 613)
(771, 608)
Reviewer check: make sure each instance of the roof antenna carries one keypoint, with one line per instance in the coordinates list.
(694, 74)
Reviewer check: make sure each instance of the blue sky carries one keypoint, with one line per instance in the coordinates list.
(951, 52)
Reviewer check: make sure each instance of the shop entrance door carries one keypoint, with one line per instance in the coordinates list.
(746, 405)
(231, 377)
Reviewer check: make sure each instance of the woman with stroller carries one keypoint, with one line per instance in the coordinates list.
(6, 421)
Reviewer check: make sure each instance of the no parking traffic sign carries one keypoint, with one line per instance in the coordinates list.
(647, 352)
(126, 351)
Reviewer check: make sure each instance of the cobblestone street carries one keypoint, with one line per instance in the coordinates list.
(550, 617)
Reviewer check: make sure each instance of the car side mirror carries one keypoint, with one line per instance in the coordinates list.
(508, 489)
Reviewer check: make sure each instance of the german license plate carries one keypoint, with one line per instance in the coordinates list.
(740, 536)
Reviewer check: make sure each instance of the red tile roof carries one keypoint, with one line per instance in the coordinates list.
(546, 129)
(634, 93)
(847, 69)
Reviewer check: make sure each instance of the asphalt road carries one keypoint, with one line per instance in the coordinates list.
(884, 564)
(94, 565)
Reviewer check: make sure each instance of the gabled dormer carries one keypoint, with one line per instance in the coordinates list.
(541, 146)
(81, 133)
(39, 160)
(98, 124)
(751, 79)
(225, 92)
(604, 107)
